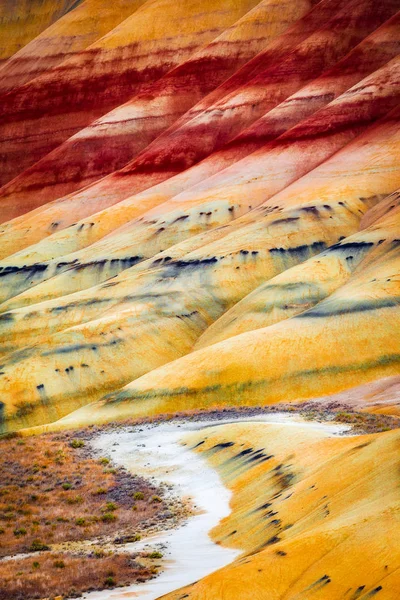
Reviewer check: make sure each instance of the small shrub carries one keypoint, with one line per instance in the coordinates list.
(35, 565)
(104, 461)
(80, 521)
(108, 518)
(128, 539)
(99, 492)
(155, 554)
(19, 532)
(156, 499)
(110, 507)
(66, 486)
(77, 444)
(38, 546)
(59, 564)
(138, 496)
(8, 516)
(110, 581)
(75, 500)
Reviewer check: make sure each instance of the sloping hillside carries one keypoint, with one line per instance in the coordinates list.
(205, 209)
(311, 513)
(200, 215)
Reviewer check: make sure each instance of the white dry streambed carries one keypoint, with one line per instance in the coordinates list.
(157, 451)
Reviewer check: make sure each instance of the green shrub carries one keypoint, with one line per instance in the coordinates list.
(155, 554)
(110, 581)
(138, 496)
(35, 565)
(80, 521)
(130, 538)
(38, 546)
(110, 507)
(77, 444)
(66, 486)
(108, 517)
(104, 461)
(8, 516)
(59, 564)
(19, 532)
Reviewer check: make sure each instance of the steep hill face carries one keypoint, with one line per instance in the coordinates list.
(223, 195)
(80, 26)
(44, 112)
(199, 207)
(113, 140)
(290, 58)
(22, 20)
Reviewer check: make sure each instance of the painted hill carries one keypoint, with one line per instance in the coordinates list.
(21, 21)
(200, 198)
(73, 31)
(200, 209)
(113, 140)
(305, 531)
(50, 108)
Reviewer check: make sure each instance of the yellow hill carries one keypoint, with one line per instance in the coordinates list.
(22, 20)
(316, 516)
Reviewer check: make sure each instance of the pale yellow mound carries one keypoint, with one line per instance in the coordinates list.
(318, 517)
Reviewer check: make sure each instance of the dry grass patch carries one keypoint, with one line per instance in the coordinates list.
(53, 491)
(66, 575)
